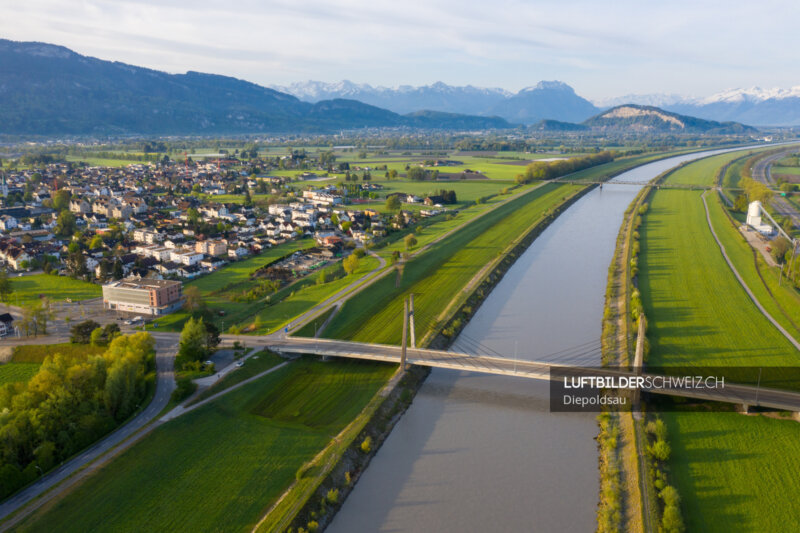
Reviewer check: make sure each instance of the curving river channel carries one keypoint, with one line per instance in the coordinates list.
(483, 453)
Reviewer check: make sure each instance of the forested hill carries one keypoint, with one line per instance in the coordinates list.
(47, 89)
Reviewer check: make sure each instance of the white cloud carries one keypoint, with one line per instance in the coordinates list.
(602, 49)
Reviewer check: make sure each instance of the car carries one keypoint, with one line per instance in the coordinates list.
(128, 322)
(240, 363)
(209, 363)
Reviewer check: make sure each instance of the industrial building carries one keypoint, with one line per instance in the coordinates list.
(153, 297)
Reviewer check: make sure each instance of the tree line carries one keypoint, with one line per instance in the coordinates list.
(548, 170)
(72, 401)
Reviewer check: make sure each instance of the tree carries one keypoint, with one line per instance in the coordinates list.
(410, 241)
(82, 331)
(392, 202)
(96, 243)
(192, 299)
(117, 271)
(61, 200)
(212, 336)
(248, 200)
(350, 263)
(740, 204)
(96, 338)
(780, 246)
(76, 264)
(65, 224)
(6, 287)
(193, 340)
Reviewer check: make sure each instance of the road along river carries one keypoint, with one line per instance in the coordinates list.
(483, 453)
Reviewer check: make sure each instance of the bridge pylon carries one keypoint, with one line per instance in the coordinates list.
(411, 328)
(405, 336)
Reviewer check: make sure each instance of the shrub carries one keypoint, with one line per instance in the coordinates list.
(333, 496)
(185, 388)
(366, 445)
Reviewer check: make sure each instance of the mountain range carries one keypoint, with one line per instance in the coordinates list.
(558, 101)
(47, 89)
(546, 100)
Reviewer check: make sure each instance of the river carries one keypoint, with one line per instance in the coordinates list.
(483, 453)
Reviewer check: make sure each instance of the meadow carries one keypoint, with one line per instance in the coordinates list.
(218, 288)
(224, 463)
(28, 289)
(782, 301)
(697, 312)
(436, 276)
(735, 472)
(26, 359)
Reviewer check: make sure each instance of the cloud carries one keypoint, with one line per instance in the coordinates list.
(630, 46)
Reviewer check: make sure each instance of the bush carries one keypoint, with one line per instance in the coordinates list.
(81, 333)
(366, 445)
(333, 496)
(185, 388)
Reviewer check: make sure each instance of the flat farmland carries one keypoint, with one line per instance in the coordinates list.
(225, 463)
(703, 171)
(17, 372)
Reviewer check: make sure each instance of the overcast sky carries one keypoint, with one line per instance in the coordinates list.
(602, 49)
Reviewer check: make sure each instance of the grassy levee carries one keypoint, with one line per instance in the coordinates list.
(781, 301)
(701, 172)
(437, 275)
(223, 465)
(699, 314)
(27, 289)
(732, 472)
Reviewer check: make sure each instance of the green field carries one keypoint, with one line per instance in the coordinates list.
(701, 172)
(27, 289)
(306, 297)
(253, 365)
(735, 472)
(794, 171)
(697, 312)
(17, 372)
(35, 353)
(225, 463)
(781, 301)
(436, 276)
(217, 288)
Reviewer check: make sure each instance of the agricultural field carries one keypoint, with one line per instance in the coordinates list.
(180, 477)
(735, 472)
(437, 275)
(27, 289)
(697, 312)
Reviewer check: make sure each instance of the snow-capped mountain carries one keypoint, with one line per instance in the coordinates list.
(757, 106)
(546, 100)
(404, 98)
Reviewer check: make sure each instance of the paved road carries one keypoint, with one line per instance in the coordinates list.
(107, 447)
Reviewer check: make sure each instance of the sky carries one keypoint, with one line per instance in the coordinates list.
(602, 49)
